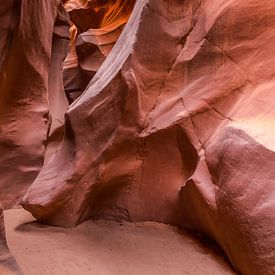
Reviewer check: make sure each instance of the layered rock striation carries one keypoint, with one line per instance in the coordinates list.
(95, 28)
(32, 101)
(175, 126)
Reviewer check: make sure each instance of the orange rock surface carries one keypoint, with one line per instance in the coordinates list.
(95, 28)
(32, 100)
(176, 125)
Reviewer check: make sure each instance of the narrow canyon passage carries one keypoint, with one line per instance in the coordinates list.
(126, 124)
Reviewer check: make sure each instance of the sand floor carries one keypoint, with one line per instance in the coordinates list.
(107, 248)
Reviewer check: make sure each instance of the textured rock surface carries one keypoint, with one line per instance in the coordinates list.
(95, 28)
(177, 125)
(33, 42)
(32, 101)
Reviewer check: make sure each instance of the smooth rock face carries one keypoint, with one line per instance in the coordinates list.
(32, 100)
(33, 43)
(176, 126)
(95, 28)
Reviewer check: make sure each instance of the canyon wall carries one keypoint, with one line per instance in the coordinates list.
(32, 101)
(175, 126)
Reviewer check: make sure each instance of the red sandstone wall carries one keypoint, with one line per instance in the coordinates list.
(176, 126)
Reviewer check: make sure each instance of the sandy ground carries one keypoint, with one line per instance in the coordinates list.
(8, 265)
(103, 248)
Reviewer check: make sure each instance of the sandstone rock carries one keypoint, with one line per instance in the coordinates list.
(176, 126)
(95, 28)
(32, 101)
(8, 264)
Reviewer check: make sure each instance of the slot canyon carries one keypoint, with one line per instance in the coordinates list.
(137, 137)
